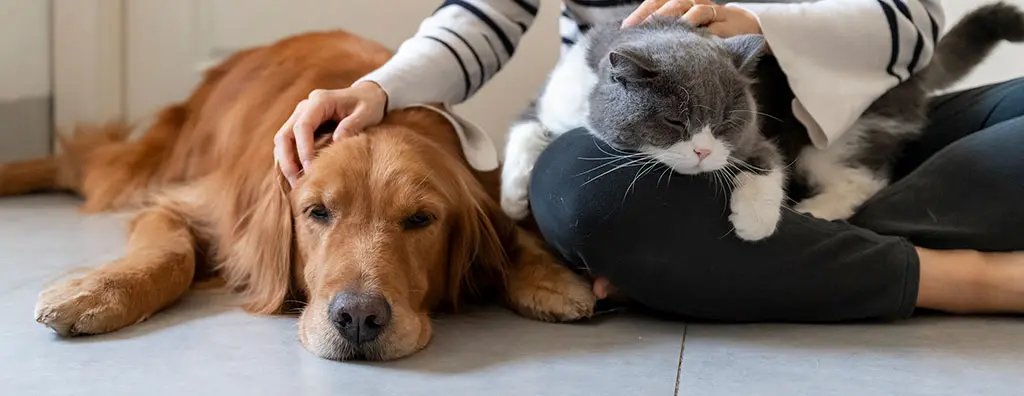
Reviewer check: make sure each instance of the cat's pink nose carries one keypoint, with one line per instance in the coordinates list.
(702, 153)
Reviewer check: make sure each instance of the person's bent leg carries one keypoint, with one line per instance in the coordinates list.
(968, 194)
(961, 186)
(664, 239)
(953, 116)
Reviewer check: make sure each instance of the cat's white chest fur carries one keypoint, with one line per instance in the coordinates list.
(564, 104)
(562, 107)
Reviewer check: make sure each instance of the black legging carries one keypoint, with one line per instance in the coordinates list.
(666, 242)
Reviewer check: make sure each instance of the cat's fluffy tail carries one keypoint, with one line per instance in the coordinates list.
(970, 41)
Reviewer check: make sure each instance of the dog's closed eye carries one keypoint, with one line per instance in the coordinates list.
(417, 220)
(319, 213)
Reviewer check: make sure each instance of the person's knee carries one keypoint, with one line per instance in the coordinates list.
(592, 206)
(562, 202)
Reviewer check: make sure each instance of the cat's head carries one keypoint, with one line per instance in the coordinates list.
(677, 93)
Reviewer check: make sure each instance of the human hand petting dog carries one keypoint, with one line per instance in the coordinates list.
(720, 20)
(358, 107)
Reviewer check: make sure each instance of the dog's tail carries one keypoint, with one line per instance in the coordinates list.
(970, 41)
(29, 176)
(60, 172)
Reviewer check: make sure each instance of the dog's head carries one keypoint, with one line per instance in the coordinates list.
(386, 227)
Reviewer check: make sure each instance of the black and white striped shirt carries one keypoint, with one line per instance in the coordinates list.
(839, 55)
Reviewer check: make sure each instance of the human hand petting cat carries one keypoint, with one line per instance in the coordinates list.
(720, 20)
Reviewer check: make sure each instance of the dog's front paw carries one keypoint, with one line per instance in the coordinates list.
(568, 298)
(539, 287)
(92, 304)
(756, 206)
(827, 207)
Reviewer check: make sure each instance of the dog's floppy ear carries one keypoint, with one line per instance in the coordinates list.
(262, 245)
(479, 252)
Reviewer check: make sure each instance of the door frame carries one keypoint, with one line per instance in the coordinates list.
(88, 53)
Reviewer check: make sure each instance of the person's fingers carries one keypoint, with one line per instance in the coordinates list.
(642, 12)
(353, 123)
(674, 9)
(721, 30)
(701, 14)
(314, 112)
(318, 94)
(284, 148)
(734, 21)
(284, 155)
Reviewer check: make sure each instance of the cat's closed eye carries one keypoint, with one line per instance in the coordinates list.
(674, 122)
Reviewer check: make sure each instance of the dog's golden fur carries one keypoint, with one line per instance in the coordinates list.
(210, 199)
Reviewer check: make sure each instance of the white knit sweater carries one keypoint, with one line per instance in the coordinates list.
(839, 55)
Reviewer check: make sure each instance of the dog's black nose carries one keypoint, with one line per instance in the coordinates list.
(359, 317)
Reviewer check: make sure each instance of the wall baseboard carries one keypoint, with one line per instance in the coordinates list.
(25, 128)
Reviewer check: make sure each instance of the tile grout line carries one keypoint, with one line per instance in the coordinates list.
(679, 363)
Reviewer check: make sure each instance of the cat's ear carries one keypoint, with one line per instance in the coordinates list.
(746, 50)
(630, 65)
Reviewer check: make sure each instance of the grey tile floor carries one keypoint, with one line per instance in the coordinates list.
(205, 345)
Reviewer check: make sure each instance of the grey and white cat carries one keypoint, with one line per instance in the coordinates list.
(677, 94)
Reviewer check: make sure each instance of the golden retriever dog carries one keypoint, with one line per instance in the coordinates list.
(385, 227)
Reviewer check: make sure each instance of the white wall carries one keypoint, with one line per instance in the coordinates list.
(24, 49)
(170, 41)
(1006, 62)
(25, 121)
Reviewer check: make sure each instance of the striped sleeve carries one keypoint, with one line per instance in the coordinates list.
(455, 51)
(841, 55)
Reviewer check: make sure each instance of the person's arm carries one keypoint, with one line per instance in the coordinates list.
(841, 55)
(455, 52)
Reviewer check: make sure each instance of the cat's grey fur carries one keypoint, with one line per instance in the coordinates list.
(665, 89)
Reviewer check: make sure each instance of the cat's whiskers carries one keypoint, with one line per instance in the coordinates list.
(613, 162)
(735, 168)
(611, 159)
(733, 123)
(733, 172)
(746, 165)
(652, 162)
(719, 179)
(728, 173)
(758, 113)
(633, 162)
(667, 169)
(714, 178)
(616, 149)
(727, 232)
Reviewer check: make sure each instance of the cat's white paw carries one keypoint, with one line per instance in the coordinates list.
(515, 193)
(827, 207)
(526, 141)
(753, 220)
(515, 204)
(756, 205)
